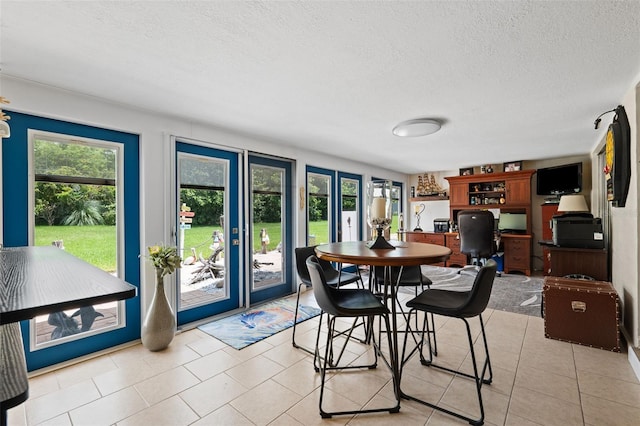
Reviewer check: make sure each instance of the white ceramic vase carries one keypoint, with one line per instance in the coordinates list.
(159, 325)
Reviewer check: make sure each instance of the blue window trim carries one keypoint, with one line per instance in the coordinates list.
(15, 193)
(287, 286)
(233, 301)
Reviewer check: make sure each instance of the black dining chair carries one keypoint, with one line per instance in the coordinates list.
(462, 305)
(334, 278)
(348, 303)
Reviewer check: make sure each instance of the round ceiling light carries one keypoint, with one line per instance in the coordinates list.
(417, 127)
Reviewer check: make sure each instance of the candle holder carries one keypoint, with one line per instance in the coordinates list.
(379, 211)
(419, 210)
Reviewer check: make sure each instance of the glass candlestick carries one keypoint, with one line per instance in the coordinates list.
(379, 211)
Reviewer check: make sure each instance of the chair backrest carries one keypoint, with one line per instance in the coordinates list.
(331, 274)
(302, 254)
(322, 292)
(480, 291)
(410, 274)
(476, 229)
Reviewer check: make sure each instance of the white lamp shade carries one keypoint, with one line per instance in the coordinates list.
(573, 203)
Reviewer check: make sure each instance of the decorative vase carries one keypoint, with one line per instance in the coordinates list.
(159, 324)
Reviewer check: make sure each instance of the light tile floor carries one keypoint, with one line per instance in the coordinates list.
(199, 380)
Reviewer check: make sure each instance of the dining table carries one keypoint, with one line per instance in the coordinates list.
(402, 254)
(37, 281)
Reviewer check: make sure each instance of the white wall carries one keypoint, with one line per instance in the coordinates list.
(625, 224)
(155, 132)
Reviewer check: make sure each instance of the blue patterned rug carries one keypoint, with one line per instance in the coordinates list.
(246, 328)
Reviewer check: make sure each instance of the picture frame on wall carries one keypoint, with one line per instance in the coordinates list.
(467, 171)
(512, 166)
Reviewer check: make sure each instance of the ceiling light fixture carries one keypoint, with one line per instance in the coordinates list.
(417, 127)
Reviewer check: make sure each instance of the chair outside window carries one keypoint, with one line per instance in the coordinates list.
(462, 305)
(349, 303)
(476, 231)
(334, 278)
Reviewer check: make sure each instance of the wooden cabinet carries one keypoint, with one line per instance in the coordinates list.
(458, 195)
(517, 253)
(518, 190)
(579, 261)
(508, 191)
(426, 237)
(548, 210)
(453, 242)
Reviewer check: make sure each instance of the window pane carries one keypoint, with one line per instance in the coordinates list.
(73, 159)
(396, 209)
(76, 209)
(349, 208)
(267, 219)
(200, 235)
(318, 209)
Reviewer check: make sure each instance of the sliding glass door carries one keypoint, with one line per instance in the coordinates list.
(271, 210)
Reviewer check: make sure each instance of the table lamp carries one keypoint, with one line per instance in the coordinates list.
(379, 211)
(574, 203)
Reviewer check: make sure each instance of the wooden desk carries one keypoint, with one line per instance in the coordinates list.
(517, 253)
(42, 280)
(516, 247)
(405, 254)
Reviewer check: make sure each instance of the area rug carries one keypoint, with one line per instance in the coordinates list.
(511, 292)
(246, 328)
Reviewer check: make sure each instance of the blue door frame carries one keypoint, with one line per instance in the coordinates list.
(287, 238)
(232, 276)
(16, 219)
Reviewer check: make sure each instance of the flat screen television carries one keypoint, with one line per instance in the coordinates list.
(512, 222)
(560, 180)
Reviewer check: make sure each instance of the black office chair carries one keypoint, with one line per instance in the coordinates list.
(476, 231)
(412, 276)
(350, 303)
(462, 305)
(334, 278)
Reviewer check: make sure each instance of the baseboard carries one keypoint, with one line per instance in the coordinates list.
(634, 360)
(633, 353)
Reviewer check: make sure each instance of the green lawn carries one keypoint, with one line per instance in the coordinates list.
(96, 244)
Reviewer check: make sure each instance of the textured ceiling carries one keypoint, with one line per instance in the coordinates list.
(511, 80)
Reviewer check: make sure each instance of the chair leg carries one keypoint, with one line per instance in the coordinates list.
(295, 322)
(325, 365)
(478, 374)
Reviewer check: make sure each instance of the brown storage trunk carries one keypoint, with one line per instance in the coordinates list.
(583, 312)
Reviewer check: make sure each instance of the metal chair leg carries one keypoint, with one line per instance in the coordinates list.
(295, 322)
(478, 374)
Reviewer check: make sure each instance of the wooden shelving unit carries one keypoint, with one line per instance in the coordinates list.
(507, 191)
(429, 198)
